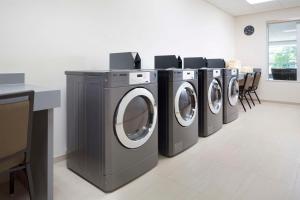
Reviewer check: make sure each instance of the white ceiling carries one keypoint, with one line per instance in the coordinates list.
(242, 7)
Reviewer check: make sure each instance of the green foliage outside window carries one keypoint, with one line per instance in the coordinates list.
(286, 58)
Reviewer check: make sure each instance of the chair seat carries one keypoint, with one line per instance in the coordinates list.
(11, 162)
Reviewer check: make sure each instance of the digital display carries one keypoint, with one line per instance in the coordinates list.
(188, 75)
(139, 78)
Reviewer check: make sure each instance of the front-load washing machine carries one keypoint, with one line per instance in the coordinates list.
(210, 101)
(178, 110)
(231, 95)
(111, 125)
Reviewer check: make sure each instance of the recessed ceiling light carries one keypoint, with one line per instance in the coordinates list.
(257, 1)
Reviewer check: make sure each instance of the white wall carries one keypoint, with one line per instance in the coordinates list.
(45, 38)
(298, 52)
(253, 51)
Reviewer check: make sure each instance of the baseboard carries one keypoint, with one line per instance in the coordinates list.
(60, 158)
(281, 102)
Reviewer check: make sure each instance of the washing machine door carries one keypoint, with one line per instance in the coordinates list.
(233, 91)
(136, 118)
(186, 105)
(215, 97)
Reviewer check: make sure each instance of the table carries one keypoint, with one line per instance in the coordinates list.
(42, 133)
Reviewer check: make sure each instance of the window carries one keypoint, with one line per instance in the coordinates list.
(283, 50)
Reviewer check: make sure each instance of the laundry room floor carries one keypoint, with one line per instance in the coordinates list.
(256, 157)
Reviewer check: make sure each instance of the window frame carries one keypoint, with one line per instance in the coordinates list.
(268, 52)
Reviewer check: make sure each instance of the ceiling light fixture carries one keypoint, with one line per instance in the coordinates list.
(258, 1)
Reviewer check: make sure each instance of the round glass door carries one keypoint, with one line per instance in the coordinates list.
(233, 91)
(136, 118)
(186, 104)
(215, 97)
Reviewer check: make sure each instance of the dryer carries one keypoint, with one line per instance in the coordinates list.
(111, 125)
(178, 110)
(231, 95)
(210, 101)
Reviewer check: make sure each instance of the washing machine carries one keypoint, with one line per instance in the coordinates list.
(178, 110)
(231, 95)
(111, 125)
(210, 101)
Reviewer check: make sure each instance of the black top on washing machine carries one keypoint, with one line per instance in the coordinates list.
(210, 101)
(178, 110)
(216, 63)
(231, 95)
(167, 61)
(112, 125)
(125, 60)
(195, 63)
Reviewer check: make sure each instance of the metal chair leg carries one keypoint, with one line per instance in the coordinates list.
(251, 98)
(257, 97)
(30, 181)
(11, 183)
(247, 101)
(243, 104)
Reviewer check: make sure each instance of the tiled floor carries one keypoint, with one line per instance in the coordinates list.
(256, 157)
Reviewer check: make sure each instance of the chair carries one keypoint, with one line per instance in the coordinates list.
(16, 112)
(245, 89)
(254, 87)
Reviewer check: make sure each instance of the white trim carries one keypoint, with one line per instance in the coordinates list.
(233, 100)
(285, 81)
(180, 119)
(211, 106)
(120, 118)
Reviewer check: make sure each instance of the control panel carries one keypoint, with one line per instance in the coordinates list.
(139, 78)
(234, 72)
(188, 75)
(216, 73)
